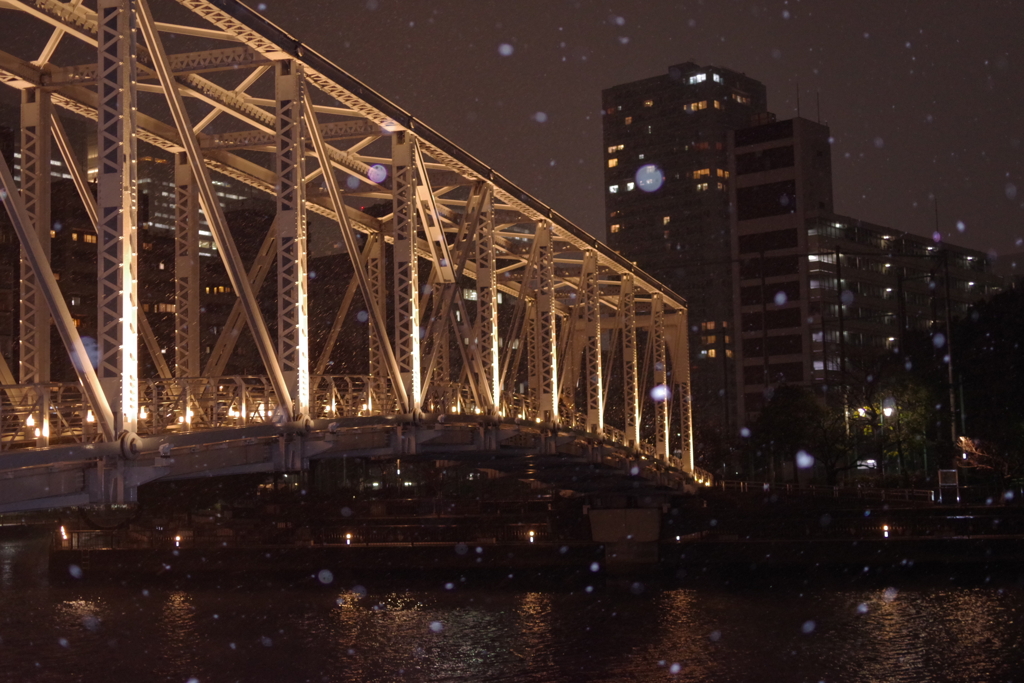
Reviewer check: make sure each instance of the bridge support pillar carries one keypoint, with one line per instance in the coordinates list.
(292, 285)
(595, 380)
(288, 456)
(544, 372)
(407, 296)
(186, 270)
(117, 204)
(487, 303)
(375, 272)
(627, 310)
(661, 403)
(35, 190)
(677, 342)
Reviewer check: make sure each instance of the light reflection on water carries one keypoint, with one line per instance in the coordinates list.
(618, 632)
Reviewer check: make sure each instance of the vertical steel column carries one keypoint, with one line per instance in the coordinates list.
(661, 402)
(430, 221)
(117, 272)
(376, 268)
(292, 285)
(11, 199)
(546, 369)
(214, 213)
(186, 270)
(487, 302)
(35, 189)
(351, 246)
(407, 299)
(627, 309)
(677, 339)
(595, 379)
(532, 359)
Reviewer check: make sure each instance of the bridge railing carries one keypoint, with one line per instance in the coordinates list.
(57, 411)
(517, 405)
(703, 477)
(346, 396)
(821, 491)
(60, 411)
(205, 403)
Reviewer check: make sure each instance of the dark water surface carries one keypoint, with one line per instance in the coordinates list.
(786, 630)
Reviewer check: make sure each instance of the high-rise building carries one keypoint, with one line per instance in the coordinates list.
(819, 297)
(667, 202)
(734, 210)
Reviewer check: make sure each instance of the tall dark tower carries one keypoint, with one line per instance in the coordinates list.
(667, 202)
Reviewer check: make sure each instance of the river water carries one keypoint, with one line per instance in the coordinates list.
(450, 629)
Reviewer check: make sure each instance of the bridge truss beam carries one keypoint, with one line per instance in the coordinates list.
(449, 228)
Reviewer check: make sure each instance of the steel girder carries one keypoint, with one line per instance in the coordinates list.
(35, 190)
(595, 374)
(370, 279)
(117, 206)
(34, 359)
(215, 216)
(544, 373)
(292, 286)
(406, 269)
(627, 312)
(485, 340)
(186, 270)
(663, 393)
(55, 302)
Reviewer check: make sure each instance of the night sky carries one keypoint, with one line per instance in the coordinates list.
(921, 101)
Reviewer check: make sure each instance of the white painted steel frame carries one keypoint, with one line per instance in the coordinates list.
(545, 370)
(593, 363)
(65, 325)
(371, 284)
(34, 356)
(663, 395)
(186, 270)
(292, 285)
(215, 217)
(117, 209)
(627, 311)
(406, 269)
(422, 192)
(486, 327)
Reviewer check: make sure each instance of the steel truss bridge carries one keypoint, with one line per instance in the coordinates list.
(498, 332)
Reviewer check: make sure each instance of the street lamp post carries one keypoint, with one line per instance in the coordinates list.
(888, 408)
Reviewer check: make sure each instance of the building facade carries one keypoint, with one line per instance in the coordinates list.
(667, 203)
(734, 210)
(818, 296)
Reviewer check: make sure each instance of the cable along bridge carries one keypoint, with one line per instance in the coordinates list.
(495, 332)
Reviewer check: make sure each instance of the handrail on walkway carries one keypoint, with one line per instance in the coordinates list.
(819, 490)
